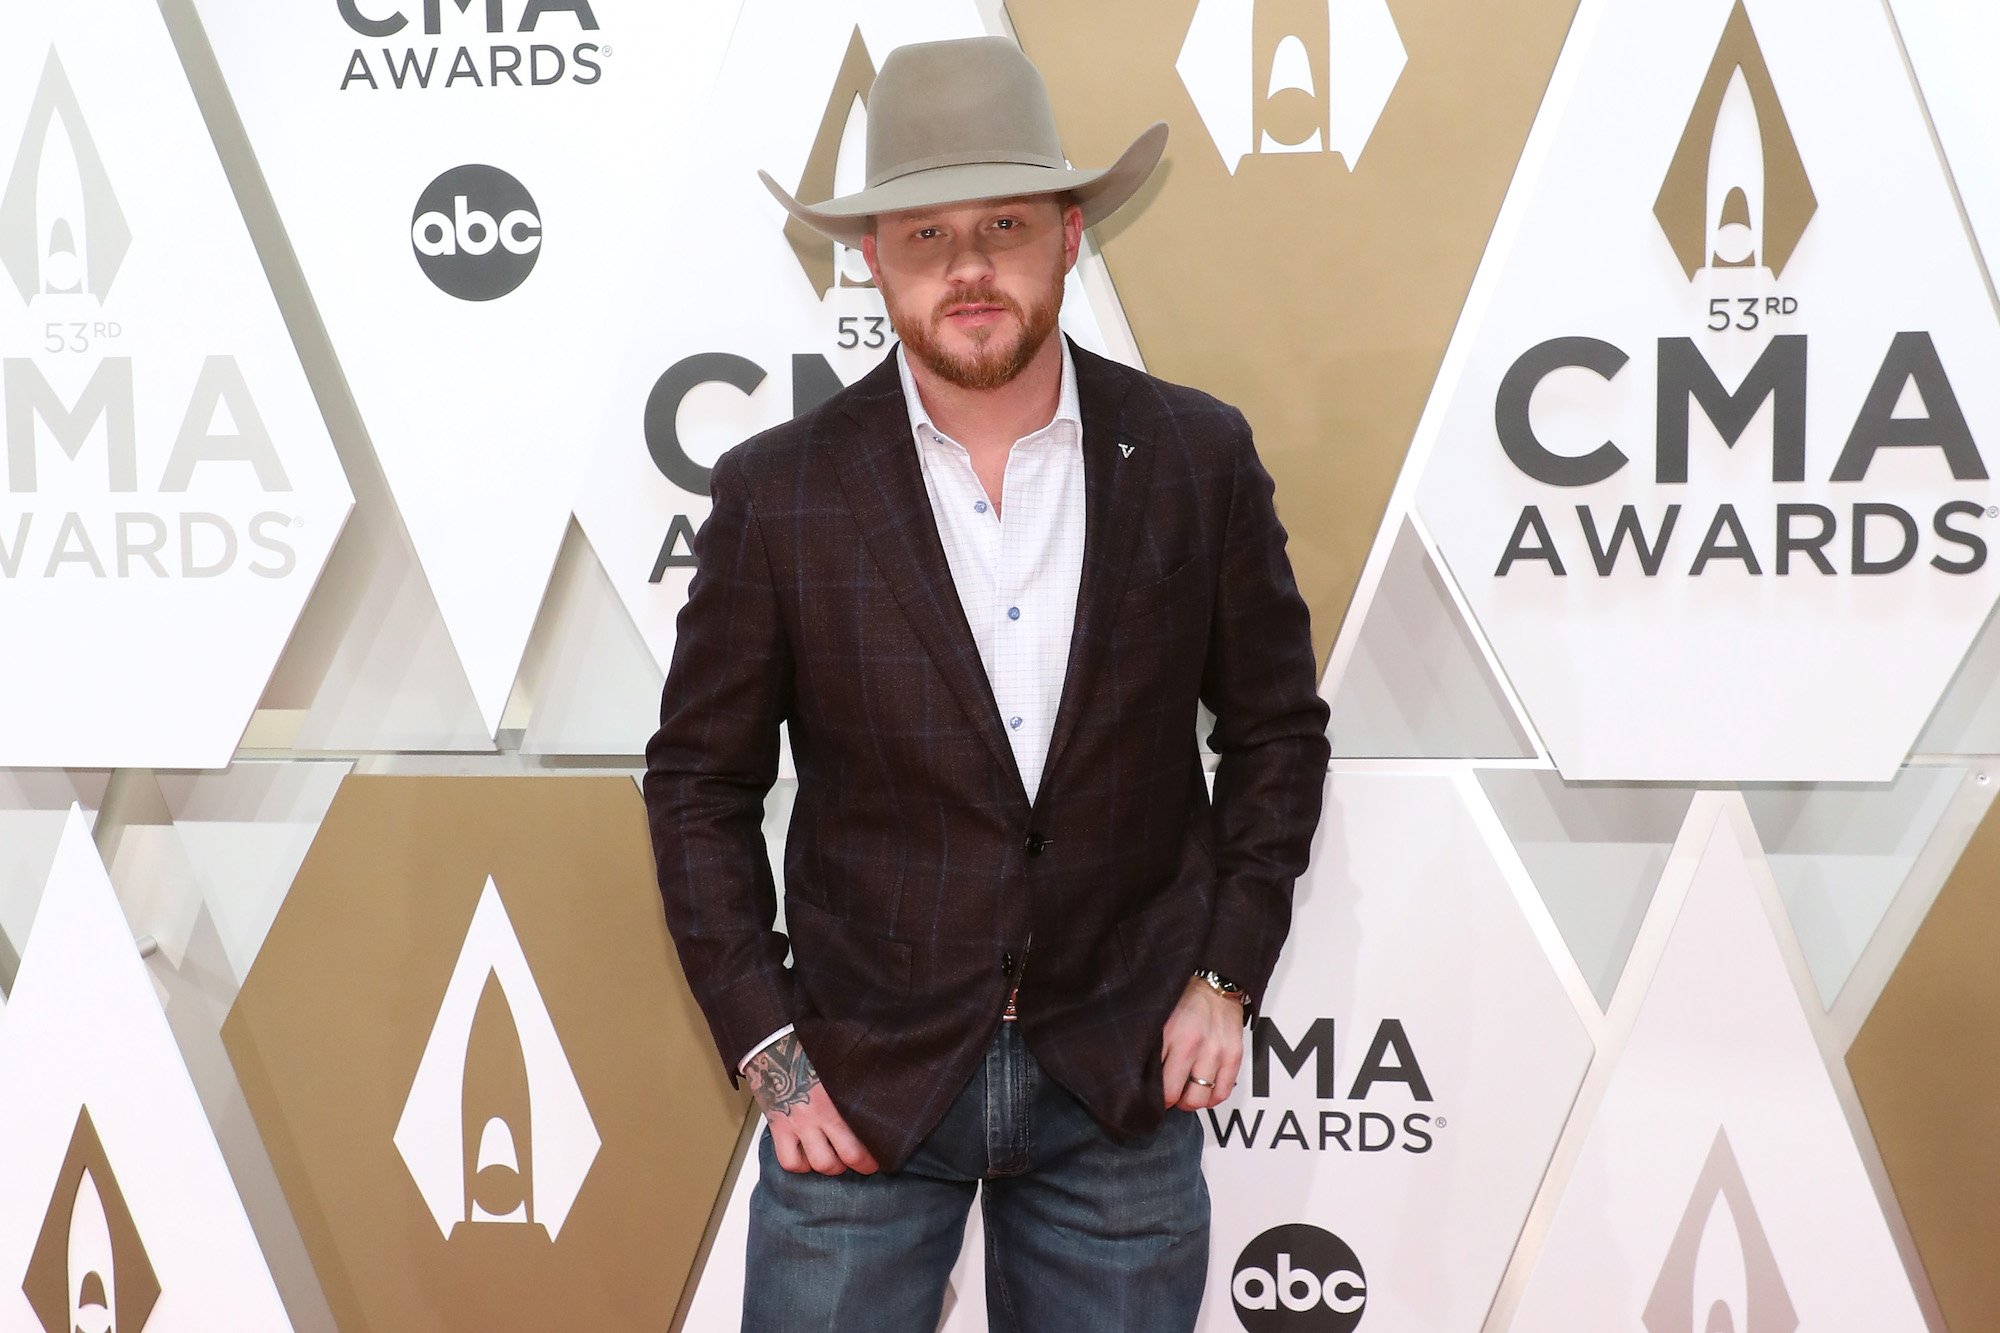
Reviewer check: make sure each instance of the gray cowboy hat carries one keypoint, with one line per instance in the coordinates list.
(951, 122)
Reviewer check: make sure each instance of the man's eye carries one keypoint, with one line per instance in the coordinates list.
(1006, 224)
(926, 233)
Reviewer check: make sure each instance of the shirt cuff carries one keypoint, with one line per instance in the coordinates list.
(784, 1031)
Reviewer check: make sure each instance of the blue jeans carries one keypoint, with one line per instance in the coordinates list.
(1083, 1232)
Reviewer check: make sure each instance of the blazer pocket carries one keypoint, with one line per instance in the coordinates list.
(1147, 598)
(853, 960)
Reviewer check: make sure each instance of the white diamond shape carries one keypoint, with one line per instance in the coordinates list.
(1365, 59)
(86, 1031)
(1724, 669)
(430, 1134)
(171, 493)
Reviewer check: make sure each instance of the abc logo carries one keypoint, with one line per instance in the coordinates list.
(476, 232)
(1298, 1279)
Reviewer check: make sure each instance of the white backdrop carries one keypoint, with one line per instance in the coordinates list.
(1498, 903)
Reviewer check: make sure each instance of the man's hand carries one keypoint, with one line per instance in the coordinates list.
(1203, 1038)
(807, 1133)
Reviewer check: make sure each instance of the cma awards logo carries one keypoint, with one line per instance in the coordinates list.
(1307, 1058)
(835, 167)
(89, 1272)
(1733, 207)
(64, 241)
(838, 277)
(1720, 1275)
(495, 1131)
(62, 232)
(1298, 1279)
(1291, 76)
(1736, 194)
(476, 232)
(470, 44)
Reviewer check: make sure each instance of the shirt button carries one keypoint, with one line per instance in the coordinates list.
(1014, 722)
(1034, 844)
(979, 506)
(1013, 613)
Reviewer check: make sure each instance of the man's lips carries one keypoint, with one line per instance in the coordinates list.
(974, 317)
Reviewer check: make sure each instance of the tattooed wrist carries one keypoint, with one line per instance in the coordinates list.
(781, 1077)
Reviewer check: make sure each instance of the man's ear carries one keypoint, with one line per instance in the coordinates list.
(1072, 225)
(868, 255)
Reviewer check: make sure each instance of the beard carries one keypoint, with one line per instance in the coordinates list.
(994, 359)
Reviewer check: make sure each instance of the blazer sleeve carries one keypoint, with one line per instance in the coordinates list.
(709, 767)
(1270, 732)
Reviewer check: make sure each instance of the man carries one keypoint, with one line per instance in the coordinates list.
(987, 587)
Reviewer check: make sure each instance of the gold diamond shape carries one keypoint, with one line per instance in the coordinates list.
(89, 1270)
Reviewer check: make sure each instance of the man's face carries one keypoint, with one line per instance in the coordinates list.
(973, 289)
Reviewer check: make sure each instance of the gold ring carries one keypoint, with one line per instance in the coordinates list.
(1203, 1082)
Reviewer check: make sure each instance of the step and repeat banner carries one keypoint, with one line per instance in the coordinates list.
(1625, 370)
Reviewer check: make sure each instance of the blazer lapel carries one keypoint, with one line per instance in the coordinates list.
(1117, 476)
(884, 484)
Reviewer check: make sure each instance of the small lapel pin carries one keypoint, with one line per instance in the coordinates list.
(1124, 449)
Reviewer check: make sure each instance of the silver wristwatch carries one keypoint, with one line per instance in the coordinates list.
(1224, 987)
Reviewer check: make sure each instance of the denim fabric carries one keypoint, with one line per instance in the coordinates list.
(1083, 1232)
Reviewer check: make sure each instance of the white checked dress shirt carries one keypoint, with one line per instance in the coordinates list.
(1017, 568)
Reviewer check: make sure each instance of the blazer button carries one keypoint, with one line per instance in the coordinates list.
(1006, 964)
(1035, 844)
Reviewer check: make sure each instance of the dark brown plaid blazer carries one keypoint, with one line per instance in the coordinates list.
(920, 883)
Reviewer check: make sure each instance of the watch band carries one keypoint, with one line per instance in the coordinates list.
(1222, 985)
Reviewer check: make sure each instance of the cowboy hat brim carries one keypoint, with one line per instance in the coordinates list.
(1097, 193)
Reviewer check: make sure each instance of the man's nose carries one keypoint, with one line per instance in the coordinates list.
(969, 262)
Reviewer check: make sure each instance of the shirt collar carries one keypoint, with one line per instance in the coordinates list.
(1068, 407)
